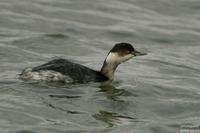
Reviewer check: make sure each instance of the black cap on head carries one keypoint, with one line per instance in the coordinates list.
(122, 47)
(126, 48)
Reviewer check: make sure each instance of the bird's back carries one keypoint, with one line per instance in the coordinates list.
(77, 72)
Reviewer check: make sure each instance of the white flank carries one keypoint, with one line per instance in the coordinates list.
(46, 75)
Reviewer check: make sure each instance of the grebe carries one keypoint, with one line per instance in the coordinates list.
(62, 70)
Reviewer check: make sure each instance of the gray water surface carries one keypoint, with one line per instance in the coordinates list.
(156, 93)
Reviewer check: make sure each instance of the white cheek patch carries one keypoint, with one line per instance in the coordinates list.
(127, 57)
(114, 57)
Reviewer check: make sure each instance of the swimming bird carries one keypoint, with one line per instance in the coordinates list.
(62, 70)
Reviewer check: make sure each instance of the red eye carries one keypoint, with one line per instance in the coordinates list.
(128, 52)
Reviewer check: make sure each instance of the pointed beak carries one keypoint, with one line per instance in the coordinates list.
(137, 53)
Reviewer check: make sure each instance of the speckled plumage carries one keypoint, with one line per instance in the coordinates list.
(62, 69)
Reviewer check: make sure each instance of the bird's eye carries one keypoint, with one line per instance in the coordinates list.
(128, 51)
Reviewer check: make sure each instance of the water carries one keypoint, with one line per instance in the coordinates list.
(159, 92)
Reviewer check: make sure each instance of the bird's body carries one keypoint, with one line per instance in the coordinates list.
(64, 71)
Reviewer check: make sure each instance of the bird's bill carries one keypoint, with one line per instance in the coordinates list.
(137, 53)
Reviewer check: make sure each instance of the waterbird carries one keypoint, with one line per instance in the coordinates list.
(63, 70)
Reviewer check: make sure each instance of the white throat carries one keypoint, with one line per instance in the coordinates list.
(116, 58)
(111, 63)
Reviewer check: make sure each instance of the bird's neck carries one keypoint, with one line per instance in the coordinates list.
(108, 69)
